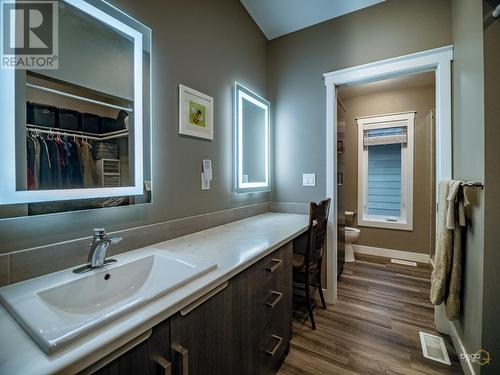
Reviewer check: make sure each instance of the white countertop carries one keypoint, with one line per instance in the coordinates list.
(233, 246)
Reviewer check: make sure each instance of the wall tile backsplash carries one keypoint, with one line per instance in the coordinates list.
(4, 270)
(26, 264)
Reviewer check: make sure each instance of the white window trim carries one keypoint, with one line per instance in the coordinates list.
(378, 122)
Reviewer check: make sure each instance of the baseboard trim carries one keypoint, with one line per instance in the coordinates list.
(467, 366)
(388, 253)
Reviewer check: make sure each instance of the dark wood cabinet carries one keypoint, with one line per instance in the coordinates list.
(273, 344)
(243, 326)
(267, 312)
(207, 339)
(150, 357)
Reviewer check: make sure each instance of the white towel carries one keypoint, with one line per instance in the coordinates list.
(447, 276)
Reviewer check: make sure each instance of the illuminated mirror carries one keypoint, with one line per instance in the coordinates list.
(77, 135)
(251, 140)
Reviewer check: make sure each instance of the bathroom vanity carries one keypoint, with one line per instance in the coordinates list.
(233, 319)
(244, 326)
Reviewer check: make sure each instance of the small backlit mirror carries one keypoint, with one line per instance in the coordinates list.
(251, 129)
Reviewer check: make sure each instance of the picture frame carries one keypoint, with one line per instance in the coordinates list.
(196, 113)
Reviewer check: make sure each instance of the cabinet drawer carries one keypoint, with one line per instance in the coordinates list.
(270, 268)
(268, 294)
(267, 354)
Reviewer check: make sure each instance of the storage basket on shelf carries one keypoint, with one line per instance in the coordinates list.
(69, 119)
(109, 125)
(41, 115)
(105, 150)
(91, 123)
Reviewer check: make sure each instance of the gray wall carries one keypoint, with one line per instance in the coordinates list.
(221, 46)
(298, 61)
(419, 99)
(491, 297)
(468, 156)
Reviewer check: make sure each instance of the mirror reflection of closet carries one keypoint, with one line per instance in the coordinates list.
(75, 125)
(76, 118)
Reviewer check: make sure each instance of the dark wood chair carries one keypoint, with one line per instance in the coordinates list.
(307, 259)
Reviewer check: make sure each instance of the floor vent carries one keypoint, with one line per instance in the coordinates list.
(404, 262)
(433, 347)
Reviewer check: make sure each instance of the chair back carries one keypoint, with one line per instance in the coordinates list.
(318, 220)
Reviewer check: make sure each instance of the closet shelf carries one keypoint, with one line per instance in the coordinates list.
(75, 133)
(77, 97)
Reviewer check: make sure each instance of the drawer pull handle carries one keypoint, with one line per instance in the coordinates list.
(277, 264)
(184, 362)
(273, 352)
(278, 298)
(165, 365)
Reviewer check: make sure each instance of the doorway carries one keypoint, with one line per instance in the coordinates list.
(437, 61)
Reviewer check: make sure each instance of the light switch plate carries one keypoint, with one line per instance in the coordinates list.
(309, 179)
(205, 182)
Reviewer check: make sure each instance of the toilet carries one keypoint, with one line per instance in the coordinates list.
(351, 236)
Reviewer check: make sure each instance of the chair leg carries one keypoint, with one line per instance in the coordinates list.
(309, 307)
(322, 297)
(320, 290)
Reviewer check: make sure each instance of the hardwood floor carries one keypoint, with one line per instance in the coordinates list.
(373, 329)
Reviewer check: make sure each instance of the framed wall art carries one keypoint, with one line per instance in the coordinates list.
(196, 113)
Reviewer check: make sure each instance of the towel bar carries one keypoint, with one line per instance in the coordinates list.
(474, 184)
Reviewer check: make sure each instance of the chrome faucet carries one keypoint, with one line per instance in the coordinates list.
(98, 249)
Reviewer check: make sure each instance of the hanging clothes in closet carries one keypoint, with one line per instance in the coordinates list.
(55, 163)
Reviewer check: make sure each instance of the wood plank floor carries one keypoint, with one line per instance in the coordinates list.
(373, 329)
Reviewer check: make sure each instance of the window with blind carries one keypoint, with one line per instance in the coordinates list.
(385, 171)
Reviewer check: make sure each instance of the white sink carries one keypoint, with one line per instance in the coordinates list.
(59, 308)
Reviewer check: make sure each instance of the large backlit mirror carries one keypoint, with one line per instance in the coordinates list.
(77, 136)
(252, 140)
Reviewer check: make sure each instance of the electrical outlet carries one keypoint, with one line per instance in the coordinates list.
(309, 179)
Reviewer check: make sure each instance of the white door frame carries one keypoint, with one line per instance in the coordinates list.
(437, 60)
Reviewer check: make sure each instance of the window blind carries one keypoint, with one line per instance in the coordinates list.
(385, 136)
(384, 180)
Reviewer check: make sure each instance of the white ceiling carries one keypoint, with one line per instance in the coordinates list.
(413, 80)
(279, 17)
